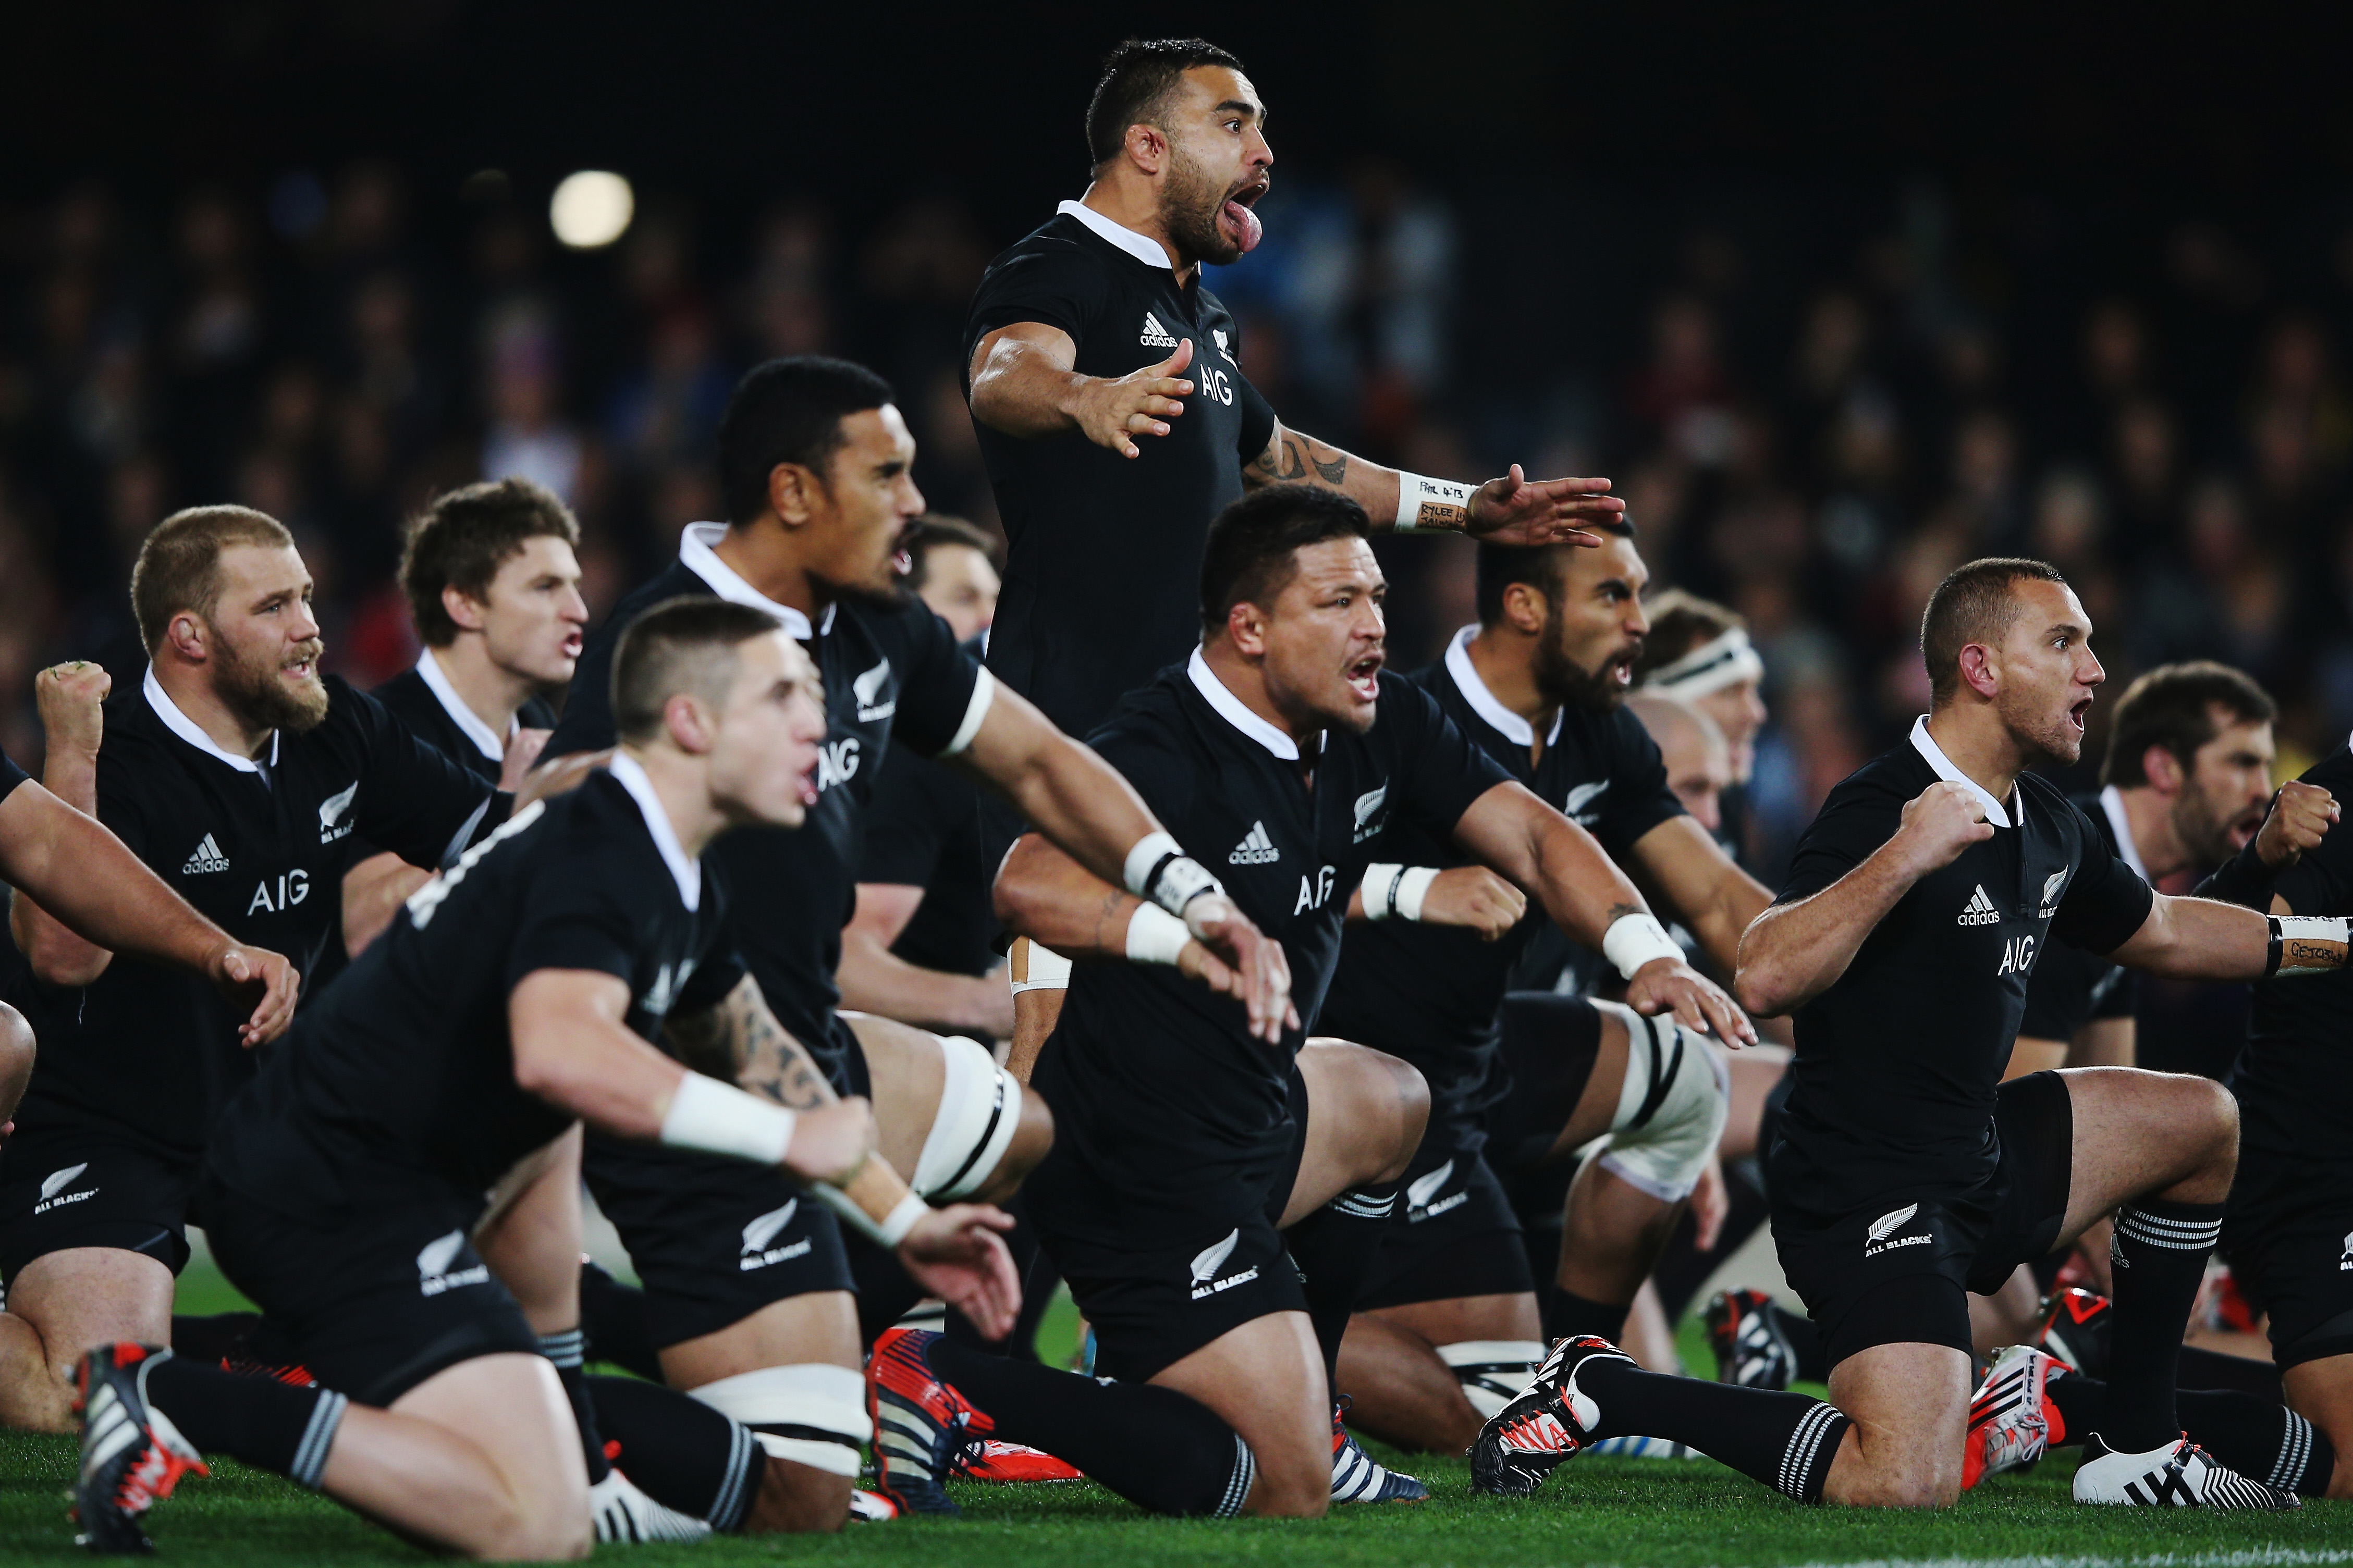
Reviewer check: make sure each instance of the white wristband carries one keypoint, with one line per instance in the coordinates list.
(1037, 967)
(1143, 856)
(1155, 936)
(1439, 505)
(893, 1227)
(1411, 888)
(721, 1119)
(1634, 940)
(1390, 888)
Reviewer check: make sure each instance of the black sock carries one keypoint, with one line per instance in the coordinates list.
(1785, 1440)
(259, 1420)
(1158, 1448)
(1566, 1316)
(210, 1337)
(613, 1316)
(885, 1289)
(2158, 1260)
(2255, 1437)
(1336, 1248)
(2212, 1369)
(565, 1351)
(1805, 1337)
(678, 1451)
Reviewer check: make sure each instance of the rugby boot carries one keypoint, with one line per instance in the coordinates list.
(628, 1517)
(991, 1459)
(2178, 1475)
(131, 1454)
(871, 1508)
(1548, 1421)
(2075, 1330)
(2013, 1422)
(920, 1424)
(1357, 1476)
(1643, 1449)
(1750, 1348)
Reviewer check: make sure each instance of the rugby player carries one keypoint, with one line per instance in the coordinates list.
(1196, 1161)
(749, 1292)
(517, 992)
(919, 945)
(493, 587)
(1698, 652)
(243, 778)
(1450, 1325)
(1107, 392)
(1905, 1171)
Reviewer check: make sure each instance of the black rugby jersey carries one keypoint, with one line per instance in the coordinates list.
(922, 830)
(892, 676)
(420, 698)
(1897, 1062)
(2295, 1079)
(1106, 550)
(1157, 1084)
(404, 1074)
(2069, 987)
(261, 851)
(1428, 994)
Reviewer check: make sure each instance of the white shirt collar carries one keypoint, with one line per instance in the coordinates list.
(1232, 709)
(2111, 801)
(687, 873)
(1926, 744)
(1506, 723)
(1143, 247)
(694, 550)
(436, 680)
(180, 724)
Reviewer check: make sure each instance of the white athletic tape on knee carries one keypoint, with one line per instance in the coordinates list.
(980, 1109)
(1037, 967)
(1671, 1109)
(1493, 1372)
(813, 1414)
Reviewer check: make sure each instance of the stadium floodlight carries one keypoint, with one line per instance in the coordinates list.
(591, 210)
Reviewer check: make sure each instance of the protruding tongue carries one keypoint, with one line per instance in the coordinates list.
(1245, 220)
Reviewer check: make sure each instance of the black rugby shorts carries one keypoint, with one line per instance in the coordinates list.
(2289, 1237)
(68, 1185)
(713, 1239)
(1453, 1235)
(1889, 1272)
(373, 1304)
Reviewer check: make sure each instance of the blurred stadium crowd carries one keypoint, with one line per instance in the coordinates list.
(1815, 405)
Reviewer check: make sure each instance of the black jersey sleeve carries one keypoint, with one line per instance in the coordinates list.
(936, 691)
(413, 800)
(1645, 801)
(1050, 281)
(1440, 769)
(2106, 901)
(576, 913)
(1860, 816)
(907, 823)
(120, 799)
(1146, 759)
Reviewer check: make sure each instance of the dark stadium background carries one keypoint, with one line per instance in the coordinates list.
(1839, 297)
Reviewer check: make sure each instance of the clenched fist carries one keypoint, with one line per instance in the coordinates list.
(2301, 816)
(1939, 823)
(68, 696)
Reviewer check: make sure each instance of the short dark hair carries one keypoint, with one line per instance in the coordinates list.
(937, 531)
(683, 644)
(1252, 553)
(2173, 706)
(789, 411)
(179, 563)
(1501, 566)
(1680, 622)
(462, 539)
(1973, 605)
(1137, 78)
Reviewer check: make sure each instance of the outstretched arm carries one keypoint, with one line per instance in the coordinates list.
(1702, 885)
(1513, 509)
(1588, 896)
(2197, 939)
(1023, 384)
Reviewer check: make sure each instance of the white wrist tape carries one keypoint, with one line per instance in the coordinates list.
(1158, 868)
(2307, 944)
(1634, 940)
(1438, 505)
(1392, 889)
(1155, 936)
(721, 1119)
(1037, 967)
(890, 1230)
(1147, 853)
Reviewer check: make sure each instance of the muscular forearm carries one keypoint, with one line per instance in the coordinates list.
(1701, 886)
(2197, 939)
(1020, 391)
(1074, 797)
(740, 1040)
(1046, 896)
(57, 955)
(80, 892)
(1529, 843)
(1793, 952)
(873, 979)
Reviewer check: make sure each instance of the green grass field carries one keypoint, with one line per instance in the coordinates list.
(1594, 1510)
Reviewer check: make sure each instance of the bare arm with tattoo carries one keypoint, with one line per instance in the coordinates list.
(739, 1041)
(1512, 510)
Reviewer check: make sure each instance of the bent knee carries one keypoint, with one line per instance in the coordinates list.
(1903, 1492)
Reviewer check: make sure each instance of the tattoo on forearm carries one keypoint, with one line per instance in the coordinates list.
(1618, 912)
(1334, 471)
(741, 1041)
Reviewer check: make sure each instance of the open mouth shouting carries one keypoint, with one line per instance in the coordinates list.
(2075, 715)
(903, 554)
(1238, 223)
(1364, 676)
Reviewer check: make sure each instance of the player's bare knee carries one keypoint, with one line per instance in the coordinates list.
(798, 1500)
(1033, 1136)
(1410, 1099)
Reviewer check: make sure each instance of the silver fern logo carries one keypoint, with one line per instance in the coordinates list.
(868, 690)
(1886, 1224)
(56, 1179)
(757, 1253)
(1876, 1240)
(434, 1274)
(1207, 1262)
(1421, 1199)
(53, 1185)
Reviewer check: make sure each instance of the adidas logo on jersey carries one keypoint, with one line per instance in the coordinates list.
(1154, 335)
(1980, 910)
(433, 1272)
(55, 1182)
(1255, 849)
(208, 857)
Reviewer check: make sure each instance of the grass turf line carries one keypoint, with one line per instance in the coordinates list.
(1670, 1514)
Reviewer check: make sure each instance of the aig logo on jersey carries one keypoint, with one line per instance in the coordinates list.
(332, 812)
(293, 887)
(2017, 956)
(837, 762)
